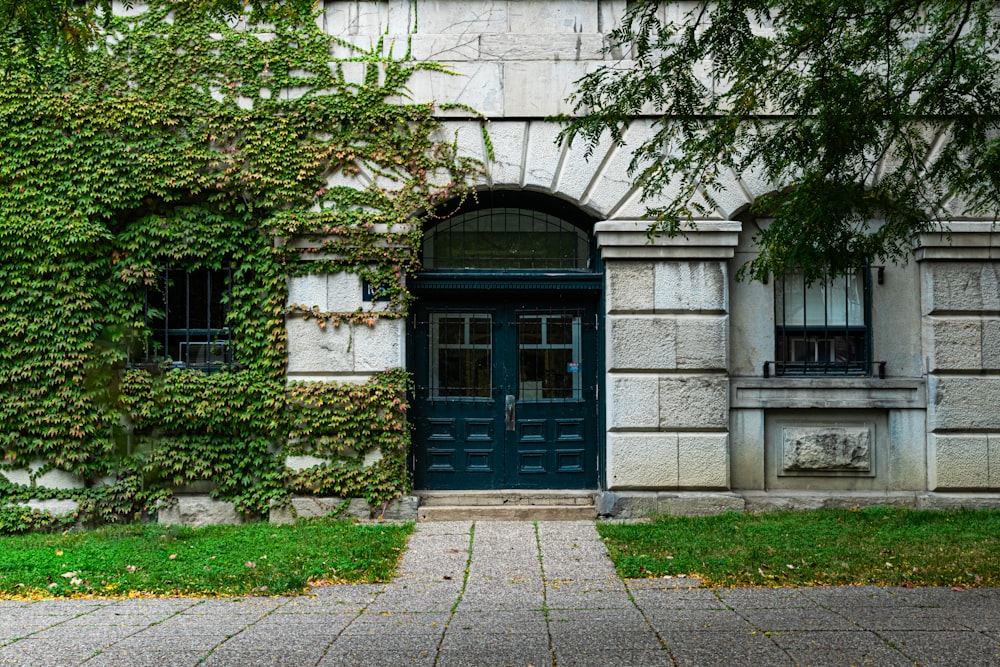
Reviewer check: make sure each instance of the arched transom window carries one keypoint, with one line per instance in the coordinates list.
(506, 237)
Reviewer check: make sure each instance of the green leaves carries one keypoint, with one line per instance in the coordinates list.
(870, 120)
(206, 133)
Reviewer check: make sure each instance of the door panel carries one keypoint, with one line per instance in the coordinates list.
(505, 396)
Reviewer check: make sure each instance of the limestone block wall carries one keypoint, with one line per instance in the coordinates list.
(349, 352)
(513, 58)
(667, 342)
(960, 311)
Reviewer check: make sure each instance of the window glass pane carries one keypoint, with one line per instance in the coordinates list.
(463, 372)
(186, 316)
(529, 331)
(821, 328)
(451, 330)
(198, 301)
(461, 355)
(559, 330)
(480, 331)
(548, 363)
(846, 305)
(838, 301)
(505, 238)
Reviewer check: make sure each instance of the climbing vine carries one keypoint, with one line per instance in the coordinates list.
(203, 140)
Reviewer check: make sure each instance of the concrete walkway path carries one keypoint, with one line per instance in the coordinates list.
(495, 593)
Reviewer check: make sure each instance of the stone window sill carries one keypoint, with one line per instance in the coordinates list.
(826, 392)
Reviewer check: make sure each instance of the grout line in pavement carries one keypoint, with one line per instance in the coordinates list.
(139, 629)
(545, 594)
(461, 592)
(642, 612)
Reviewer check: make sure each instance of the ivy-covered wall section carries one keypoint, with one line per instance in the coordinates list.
(202, 141)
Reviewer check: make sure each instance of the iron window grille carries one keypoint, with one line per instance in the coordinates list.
(186, 315)
(823, 327)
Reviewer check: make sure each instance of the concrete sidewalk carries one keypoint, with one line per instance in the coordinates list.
(495, 593)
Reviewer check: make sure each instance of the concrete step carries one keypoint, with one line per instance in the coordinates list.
(506, 513)
(505, 498)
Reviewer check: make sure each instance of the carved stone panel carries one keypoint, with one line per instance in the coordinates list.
(827, 449)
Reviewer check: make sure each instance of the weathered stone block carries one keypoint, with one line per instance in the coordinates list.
(315, 506)
(508, 139)
(703, 461)
(541, 156)
(961, 287)
(953, 344)
(338, 292)
(470, 17)
(403, 508)
(747, 446)
(991, 344)
(379, 347)
(907, 450)
(59, 479)
(53, 479)
(633, 402)
(826, 449)
(308, 290)
(477, 84)
(344, 349)
(667, 343)
(640, 343)
(699, 504)
(553, 16)
(629, 286)
(702, 343)
(315, 350)
(510, 47)
(521, 96)
(627, 505)
(55, 507)
(642, 461)
(613, 187)
(303, 462)
(442, 48)
(963, 403)
(691, 286)
(693, 402)
(198, 511)
(959, 462)
(576, 172)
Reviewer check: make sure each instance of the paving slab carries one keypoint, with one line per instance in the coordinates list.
(515, 594)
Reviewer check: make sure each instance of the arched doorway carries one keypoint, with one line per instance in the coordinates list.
(505, 348)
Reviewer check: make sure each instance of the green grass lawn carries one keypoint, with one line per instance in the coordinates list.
(828, 547)
(150, 559)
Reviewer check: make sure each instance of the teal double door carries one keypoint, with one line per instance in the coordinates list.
(505, 391)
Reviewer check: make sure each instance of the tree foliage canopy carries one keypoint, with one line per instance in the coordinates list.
(872, 120)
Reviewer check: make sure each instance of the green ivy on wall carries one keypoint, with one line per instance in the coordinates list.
(202, 141)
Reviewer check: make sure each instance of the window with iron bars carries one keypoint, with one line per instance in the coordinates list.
(823, 327)
(186, 315)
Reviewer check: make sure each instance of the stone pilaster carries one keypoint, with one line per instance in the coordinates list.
(960, 327)
(667, 342)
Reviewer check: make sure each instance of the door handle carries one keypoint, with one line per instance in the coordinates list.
(509, 413)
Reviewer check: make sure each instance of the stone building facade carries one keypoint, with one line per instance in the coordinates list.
(687, 402)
